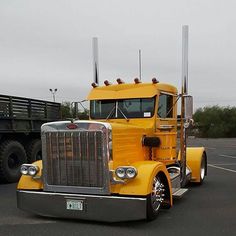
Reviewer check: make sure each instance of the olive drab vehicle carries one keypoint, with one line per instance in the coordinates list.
(122, 164)
(20, 123)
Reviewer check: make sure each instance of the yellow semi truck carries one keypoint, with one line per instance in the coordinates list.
(122, 164)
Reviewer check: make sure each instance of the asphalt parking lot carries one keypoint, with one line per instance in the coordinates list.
(209, 209)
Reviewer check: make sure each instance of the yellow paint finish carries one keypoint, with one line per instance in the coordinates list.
(27, 182)
(194, 159)
(166, 153)
(145, 123)
(122, 91)
(127, 144)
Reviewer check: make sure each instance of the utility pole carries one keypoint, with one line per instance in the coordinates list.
(53, 91)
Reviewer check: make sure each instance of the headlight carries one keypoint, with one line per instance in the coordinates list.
(29, 169)
(24, 170)
(126, 172)
(120, 172)
(131, 172)
(33, 170)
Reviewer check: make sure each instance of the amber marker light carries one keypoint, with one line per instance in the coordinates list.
(94, 85)
(107, 83)
(120, 81)
(137, 81)
(155, 81)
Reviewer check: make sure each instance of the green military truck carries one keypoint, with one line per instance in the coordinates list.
(20, 123)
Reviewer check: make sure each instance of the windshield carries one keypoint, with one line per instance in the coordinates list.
(122, 108)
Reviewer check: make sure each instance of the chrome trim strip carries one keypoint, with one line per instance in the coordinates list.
(165, 127)
(81, 195)
(48, 126)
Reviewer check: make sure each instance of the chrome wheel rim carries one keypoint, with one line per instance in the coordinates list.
(157, 194)
(202, 169)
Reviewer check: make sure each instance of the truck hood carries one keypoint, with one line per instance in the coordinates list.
(127, 145)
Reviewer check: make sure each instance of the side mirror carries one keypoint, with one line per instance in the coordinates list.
(188, 109)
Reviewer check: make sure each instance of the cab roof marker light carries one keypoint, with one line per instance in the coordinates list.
(94, 85)
(155, 81)
(120, 81)
(107, 83)
(137, 81)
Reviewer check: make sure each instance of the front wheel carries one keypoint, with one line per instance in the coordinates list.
(156, 198)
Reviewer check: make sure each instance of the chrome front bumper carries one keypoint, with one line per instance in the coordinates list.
(98, 208)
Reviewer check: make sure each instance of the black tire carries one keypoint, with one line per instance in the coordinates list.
(154, 203)
(12, 156)
(34, 151)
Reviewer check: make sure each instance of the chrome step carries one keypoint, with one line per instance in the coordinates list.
(179, 193)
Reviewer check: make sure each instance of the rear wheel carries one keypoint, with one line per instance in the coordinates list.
(34, 150)
(156, 198)
(12, 156)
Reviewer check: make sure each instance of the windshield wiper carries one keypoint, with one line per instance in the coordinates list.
(122, 113)
(112, 110)
(116, 107)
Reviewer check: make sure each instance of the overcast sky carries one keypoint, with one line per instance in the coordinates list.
(47, 44)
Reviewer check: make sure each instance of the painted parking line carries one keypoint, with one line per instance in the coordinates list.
(224, 164)
(14, 220)
(234, 157)
(221, 168)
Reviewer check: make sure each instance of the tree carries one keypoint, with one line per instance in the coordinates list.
(69, 112)
(66, 110)
(216, 122)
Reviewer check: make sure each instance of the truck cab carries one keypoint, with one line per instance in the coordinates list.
(150, 108)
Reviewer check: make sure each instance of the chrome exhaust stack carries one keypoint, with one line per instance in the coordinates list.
(185, 59)
(95, 61)
(184, 93)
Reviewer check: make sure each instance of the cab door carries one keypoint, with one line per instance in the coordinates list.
(166, 127)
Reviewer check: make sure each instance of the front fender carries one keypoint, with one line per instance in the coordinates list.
(194, 158)
(142, 184)
(27, 182)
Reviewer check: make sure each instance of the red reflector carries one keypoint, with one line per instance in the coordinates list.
(72, 126)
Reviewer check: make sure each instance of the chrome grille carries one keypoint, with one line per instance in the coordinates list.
(76, 161)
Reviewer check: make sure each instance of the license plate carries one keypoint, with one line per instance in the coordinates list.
(77, 205)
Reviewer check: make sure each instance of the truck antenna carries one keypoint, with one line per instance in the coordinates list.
(95, 60)
(140, 63)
